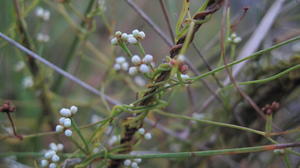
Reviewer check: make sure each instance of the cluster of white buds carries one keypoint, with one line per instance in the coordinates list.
(128, 38)
(65, 121)
(42, 37)
(132, 163)
(121, 64)
(42, 13)
(50, 157)
(234, 38)
(141, 65)
(147, 135)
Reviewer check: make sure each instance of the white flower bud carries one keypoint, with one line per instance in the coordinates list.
(53, 146)
(67, 123)
(237, 40)
(184, 76)
(233, 35)
(65, 112)
(127, 162)
(132, 70)
(124, 36)
(120, 60)
(68, 132)
(44, 163)
(39, 12)
(49, 154)
(141, 35)
(117, 67)
(136, 60)
(59, 128)
(52, 165)
(61, 120)
(148, 58)
(138, 160)
(46, 15)
(144, 68)
(131, 39)
(74, 109)
(141, 131)
(118, 33)
(114, 41)
(134, 165)
(60, 147)
(139, 81)
(181, 58)
(148, 136)
(135, 32)
(55, 158)
(125, 66)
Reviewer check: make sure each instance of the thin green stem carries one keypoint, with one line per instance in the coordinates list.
(141, 48)
(76, 128)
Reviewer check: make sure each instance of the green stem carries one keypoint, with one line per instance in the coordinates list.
(126, 49)
(141, 48)
(76, 128)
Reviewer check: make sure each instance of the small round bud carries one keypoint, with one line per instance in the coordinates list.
(65, 112)
(68, 132)
(134, 165)
(39, 12)
(237, 40)
(148, 136)
(144, 68)
(124, 36)
(74, 109)
(233, 35)
(132, 70)
(138, 160)
(49, 154)
(136, 60)
(114, 41)
(59, 128)
(61, 120)
(55, 158)
(141, 35)
(60, 147)
(117, 67)
(53, 146)
(181, 58)
(184, 76)
(44, 163)
(135, 32)
(125, 66)
(127, 162)
(148, 58)
(141, 131)
(118, 33)
(67, 123)
(52, 165)
(131, 39)
(120, 60)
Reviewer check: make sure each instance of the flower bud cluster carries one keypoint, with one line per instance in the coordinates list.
(234, 38)
(65, 121)
(44, 14)
(128, 38)
(132, 163)
(50, 156)
(147, 135)
(141, 65)
(121, 64)
(42, 37)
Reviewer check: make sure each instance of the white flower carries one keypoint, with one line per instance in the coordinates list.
(67, 123)
(132, 70)
(136, 60)
(124, 36)
(59, 128)
(233, 35)
(135, 32)
(52, 165)
(131, 39)
(139, 81)
(68, 132)
(49, 154)
(148, 58)
(60, 147)
(19, 66)
(134, 165)
(148, 136)
(181, 58)
(138, 160)
(141, 35)
(117, 67)
(125, 66)
(120, 60)
(144, 68)
(46, 15)
(74, 109)
(127, 162)
(114, 41)
(27, 82)
(113, 139)
(53, 146)
(55, 158)
(141, 131)
(65, 112)
(39, 12)
(42, 37)
(44, 163)
(237, 40)
(118, 33)
(61, 120)
(184, 76)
